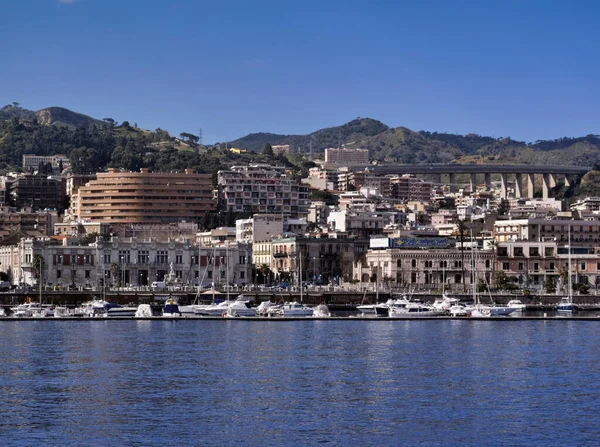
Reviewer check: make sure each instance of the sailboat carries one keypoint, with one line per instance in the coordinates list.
(566, 303)
(293, 309)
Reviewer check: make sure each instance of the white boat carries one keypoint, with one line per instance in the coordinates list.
(458, 310)
(240, 308)
(518, 305)
(444, 303)
(366, 309)
(144, 311)
(24, 310)
(93, 309)
(293, 309)
(2, 312)
(321, 311)
(263, 307)
(383, 310)
(213, 310)
(118, 311)
(566, 306)
(61, 312)
(411, 310)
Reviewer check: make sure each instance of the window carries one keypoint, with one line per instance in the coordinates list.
(534, 251)
(242, 275)
(162, 257)
(413, 263)
(87, 274)
(518, 251)
(549, 251)
(487, 263)
(58, 274)
(178, 259)
(536, 267)
(399, 263)
(107, 258)
(178, 274)
(551, 266)
(242, 260)
(520, 266)
(583, 266)
(209, 274)
(27, 259)
(124, 257)
(505, 266)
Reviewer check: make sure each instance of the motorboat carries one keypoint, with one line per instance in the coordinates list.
(144, 311)
(116, 310)
(93, 309)
(171, 308)
(366, 309)
(240, 308)
(43, 311)
(2, 312)
(458, 310)
(24, 310)
(383, 310)
(321, 311)
(518, 305)
(213, 310)
(61, 312)
(565, 305)
(444, 302)
(263, 307)
(293, 309)
(411, 310)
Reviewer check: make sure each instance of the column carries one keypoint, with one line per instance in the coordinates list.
(504, 187)
(530, 185)
(488, 181)
(451, 181)
(545, 186)
(552, 178)
(518, 185)
(473, 182)
(568, 180)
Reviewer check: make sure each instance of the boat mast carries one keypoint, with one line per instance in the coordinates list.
(300, 266)
(570, 279)
(473, 273)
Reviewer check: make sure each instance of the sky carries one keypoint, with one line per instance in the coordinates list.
(526, 69)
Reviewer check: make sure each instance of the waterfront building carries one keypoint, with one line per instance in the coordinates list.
(420, 267)
(145, 197)
(324, 260)
(217, 236)
(130, 262)
(39, 223)
(261, 188)
(360, 225)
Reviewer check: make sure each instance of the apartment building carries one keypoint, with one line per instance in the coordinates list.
(261, 188)
(145, 197)
(408, 187)
(583, 232)
(37, 192)
(33, 161)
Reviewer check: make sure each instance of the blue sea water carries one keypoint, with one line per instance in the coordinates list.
(172, 383)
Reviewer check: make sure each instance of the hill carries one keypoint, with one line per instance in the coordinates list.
(407, 146)
(57, 116)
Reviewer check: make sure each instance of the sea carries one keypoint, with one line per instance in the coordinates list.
(315, 382)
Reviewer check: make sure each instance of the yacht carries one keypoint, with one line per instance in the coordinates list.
(383, 310)
(415, 310)
(116, 310)
(263, 307)
(321, 311)
(240, 308)
(293, 309)
(458, 310)
(444, 303)
(212, 310)
(518, 305)
(171, 308)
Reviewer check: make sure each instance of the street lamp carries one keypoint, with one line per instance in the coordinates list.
(123, 271)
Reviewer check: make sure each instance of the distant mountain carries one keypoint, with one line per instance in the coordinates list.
(57, 116)
(407, 146)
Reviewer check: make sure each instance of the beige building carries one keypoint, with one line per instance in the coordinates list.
(131, 197)
(346, 157)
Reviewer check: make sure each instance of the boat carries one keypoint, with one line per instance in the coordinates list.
(144, 311)
(383, 310)
(566, 306)
(411, 310)
(263, 307)
(444, 303)
(118, 311)
(213, 310)
(240, 308)
(293, 309)
(458, 310)
(171, 308)
(366, 308)
(321, 311)
(518, 305)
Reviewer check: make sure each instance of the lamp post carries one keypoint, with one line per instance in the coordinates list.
(123, 271)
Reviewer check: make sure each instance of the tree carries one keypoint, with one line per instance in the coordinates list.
(267, 149)
(38, 265)
(550, 285)
(189, 137)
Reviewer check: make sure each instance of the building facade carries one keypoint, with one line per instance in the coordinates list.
(260, 188)
(145, 197)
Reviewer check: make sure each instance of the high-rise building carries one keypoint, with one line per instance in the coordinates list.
(346, 157)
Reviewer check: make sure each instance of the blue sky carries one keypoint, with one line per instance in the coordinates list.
(525, 69)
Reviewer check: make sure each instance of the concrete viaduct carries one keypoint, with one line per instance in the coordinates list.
(549, 174)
